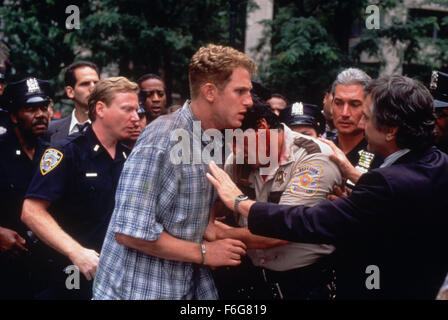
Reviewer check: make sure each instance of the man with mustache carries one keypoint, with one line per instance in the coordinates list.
(21, 148)
(71, 197)
(152, 95)
(346, 108)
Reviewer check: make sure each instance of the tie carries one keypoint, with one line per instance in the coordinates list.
(82, 127)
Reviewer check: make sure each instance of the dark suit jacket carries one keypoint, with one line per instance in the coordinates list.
(58, 129)
(396, 219)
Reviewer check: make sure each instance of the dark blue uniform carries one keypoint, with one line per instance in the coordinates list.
(79, 178)
(16, 172)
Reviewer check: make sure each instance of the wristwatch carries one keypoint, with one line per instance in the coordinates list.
(238, 199)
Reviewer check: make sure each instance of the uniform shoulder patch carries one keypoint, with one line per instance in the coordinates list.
(50, 160)
(309, 145)
(305, 181)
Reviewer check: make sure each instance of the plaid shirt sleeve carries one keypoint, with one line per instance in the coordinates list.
(139, 190)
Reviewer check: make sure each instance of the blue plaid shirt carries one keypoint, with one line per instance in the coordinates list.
(154, 195)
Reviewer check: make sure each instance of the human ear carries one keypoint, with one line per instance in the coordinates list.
(100, 109)
(208, 91)
(70, 92)
(391, 133)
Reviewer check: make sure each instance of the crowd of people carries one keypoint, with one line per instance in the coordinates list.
(352, 207)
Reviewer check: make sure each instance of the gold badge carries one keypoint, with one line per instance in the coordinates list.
(281, 176)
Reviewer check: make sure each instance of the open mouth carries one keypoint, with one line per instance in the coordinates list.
(242, 115)
(157, 109)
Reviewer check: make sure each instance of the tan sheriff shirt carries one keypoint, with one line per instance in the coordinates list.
(304, 176)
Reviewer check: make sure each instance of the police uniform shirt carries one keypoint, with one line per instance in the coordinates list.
(361, 159)
(305, 176)
(79, 178)
(16, 171)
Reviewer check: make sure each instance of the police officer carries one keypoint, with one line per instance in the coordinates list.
(21, 149)
(304, 118)
(439, 91)
(71, 197)
(346, 108)
(287, 270)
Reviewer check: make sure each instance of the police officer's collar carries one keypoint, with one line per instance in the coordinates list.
(96, 148)
(286, 155)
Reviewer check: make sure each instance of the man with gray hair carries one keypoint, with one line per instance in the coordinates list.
(348, 100)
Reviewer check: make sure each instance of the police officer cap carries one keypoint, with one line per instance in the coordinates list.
(306, 114)
(26, 92)
(439, 89)
(260, 90)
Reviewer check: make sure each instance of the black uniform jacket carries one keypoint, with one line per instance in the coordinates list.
(16, 172)
(79, 178)
(396, 220)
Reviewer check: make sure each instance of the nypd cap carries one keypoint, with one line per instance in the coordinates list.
(260, 90)
(306, 114)
(26, 92)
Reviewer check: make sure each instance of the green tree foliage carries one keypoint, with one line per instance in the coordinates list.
(309, 39)
(310, 44)
(157, 36)
(423, 52)
(304, 59)
(35, 31)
